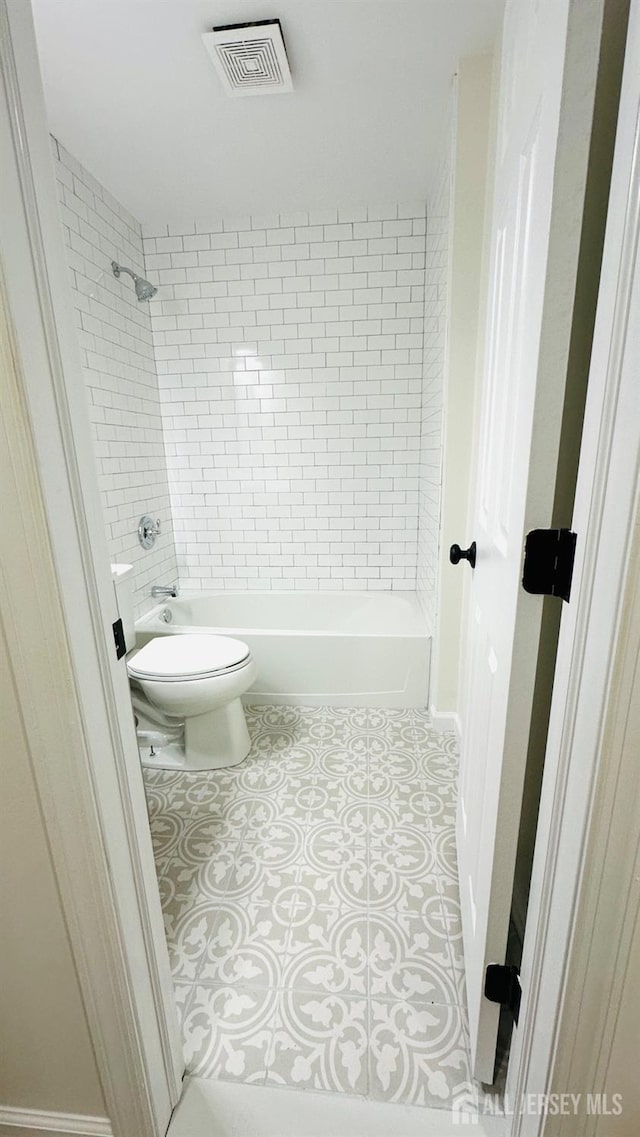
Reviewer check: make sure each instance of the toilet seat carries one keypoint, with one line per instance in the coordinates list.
(177, 658)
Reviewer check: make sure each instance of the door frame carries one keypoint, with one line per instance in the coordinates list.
(92, 796)
(606, 509)
(101, 852)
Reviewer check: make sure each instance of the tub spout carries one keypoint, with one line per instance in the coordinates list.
(164, 590)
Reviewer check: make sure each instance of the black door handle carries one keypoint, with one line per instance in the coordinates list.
(456, 554)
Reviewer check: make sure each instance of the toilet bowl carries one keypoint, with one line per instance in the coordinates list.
(198, 679)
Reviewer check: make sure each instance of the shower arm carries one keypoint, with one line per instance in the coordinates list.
(144, 288)
(117, 269)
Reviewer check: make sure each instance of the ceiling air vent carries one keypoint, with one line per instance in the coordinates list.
(250, 59)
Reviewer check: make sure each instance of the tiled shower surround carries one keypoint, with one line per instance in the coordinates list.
(311, 906)
(114, 334)
(290, 359)
(278, 403)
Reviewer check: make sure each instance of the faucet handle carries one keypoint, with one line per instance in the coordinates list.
(148, 530)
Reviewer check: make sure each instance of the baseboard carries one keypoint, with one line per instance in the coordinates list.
(448, 722)
(21, 1122)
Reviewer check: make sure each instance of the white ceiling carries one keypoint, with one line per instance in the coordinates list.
(133, 95)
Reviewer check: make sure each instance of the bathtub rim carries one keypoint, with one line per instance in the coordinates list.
(151, 622)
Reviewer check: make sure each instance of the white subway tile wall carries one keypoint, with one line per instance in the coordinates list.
(114, 331)
(435, 350)
(290, 355)
(279, 403)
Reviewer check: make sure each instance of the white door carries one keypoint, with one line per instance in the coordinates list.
(534, 257)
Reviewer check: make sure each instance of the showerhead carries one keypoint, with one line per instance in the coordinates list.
(144, 289)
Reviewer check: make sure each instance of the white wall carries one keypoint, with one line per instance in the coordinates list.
(114, 331)
(47, 1058)
(467, 286)
(290, 359)
(434, 365)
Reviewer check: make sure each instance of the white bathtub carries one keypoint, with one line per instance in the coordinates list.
(343, 648)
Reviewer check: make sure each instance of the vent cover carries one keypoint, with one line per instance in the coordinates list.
(250, 59)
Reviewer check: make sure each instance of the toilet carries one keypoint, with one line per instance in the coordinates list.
(197, 679)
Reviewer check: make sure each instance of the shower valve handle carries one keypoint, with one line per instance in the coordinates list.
(456, 554)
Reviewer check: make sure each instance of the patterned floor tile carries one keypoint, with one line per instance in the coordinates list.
(259, 813)
(441, 755)
(418, 1053)
(279, 730)
(261, 871)
(166, 829)
(227, 1032)
(247, 945)
(203, 836)
(333, 875)
(182, 994)
(320, 1042)
(299, 761)
(450, 896)
(274, 741)
(335, 761)
(187, 935)
(160, 785)
(184, 883)
(311, 798)
(267, 716)
(446, 859)
(439, 804)
(355, 730)
(397, 820)
(311, 906)
(349, 827)
(191, 794)
(185, 835)
(409, 957)
(400, 879)
(327, 952)
(396, 766)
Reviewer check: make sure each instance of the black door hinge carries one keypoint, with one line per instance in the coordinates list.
(118, 635)
(548, 562)
(502, 985)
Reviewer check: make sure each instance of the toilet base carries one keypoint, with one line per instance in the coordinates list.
(211, 741)
(217, 739)
(169, 757)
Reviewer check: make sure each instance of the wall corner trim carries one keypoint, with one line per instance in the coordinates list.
(16, 1122)
(446, 722)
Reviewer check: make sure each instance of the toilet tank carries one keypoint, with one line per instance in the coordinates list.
(122, 576)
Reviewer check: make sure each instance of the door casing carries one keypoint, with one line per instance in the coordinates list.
(92, 797)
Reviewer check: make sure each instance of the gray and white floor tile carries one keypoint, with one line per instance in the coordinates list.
(311, 906)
